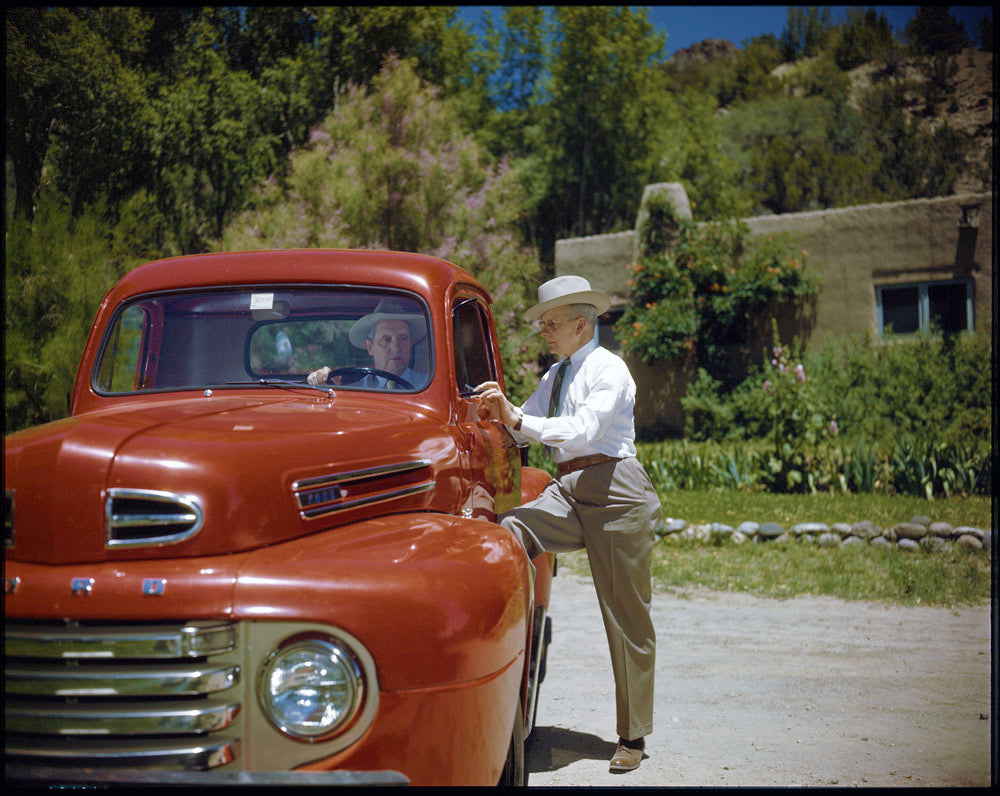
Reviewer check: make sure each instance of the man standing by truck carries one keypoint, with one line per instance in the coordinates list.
(602, 499)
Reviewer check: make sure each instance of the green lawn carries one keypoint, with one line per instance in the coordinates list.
(732, 508)
(785, 569)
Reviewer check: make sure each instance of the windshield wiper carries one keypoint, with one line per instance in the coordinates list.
(284, 383)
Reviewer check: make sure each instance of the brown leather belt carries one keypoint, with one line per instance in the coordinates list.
(580, 462)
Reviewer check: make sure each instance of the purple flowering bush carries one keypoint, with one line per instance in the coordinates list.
(390, 168)
(794, 421)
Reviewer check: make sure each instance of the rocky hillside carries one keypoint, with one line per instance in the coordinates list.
(704, 51)
(968, 107)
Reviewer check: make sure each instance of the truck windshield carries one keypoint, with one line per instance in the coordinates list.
(355, 338)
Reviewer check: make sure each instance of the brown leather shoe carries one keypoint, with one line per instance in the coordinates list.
(628, 756)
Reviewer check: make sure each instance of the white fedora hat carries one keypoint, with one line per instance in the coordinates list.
(565, 290)
(389, 309)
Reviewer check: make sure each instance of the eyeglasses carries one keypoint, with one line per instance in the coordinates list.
(551, 326)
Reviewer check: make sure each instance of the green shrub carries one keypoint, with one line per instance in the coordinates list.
(698, 298)
(935, 387)
(909, 417)
(57, 269)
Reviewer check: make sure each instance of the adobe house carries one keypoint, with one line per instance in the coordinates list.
(886, 270)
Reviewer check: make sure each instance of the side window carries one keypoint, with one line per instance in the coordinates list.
(473, 354)
(925, 306)
(119, 371)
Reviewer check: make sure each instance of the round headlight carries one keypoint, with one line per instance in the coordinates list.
(311, 689)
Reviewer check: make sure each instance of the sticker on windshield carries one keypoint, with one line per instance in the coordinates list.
(261, 301)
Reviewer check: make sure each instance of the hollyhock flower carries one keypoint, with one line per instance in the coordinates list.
(800, 373)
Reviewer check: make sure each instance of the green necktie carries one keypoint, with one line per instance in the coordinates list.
(557, 388)
(556, 393)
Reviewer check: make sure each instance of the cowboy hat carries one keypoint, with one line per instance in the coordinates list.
(389, 309)
(565, 290)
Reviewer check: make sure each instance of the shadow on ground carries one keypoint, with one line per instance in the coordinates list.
(551, 748)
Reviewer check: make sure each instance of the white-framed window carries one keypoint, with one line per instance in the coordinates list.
(942, 306)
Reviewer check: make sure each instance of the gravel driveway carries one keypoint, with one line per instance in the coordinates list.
(809, 691)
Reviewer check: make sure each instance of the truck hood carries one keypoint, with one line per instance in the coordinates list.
(218, 475)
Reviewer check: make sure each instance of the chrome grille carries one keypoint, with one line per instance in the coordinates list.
(146, 517)
(163, 696)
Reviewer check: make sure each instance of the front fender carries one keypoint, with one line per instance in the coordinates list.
(436, 599)
(533, 481)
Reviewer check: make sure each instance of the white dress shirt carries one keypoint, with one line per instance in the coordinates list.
(595, 411)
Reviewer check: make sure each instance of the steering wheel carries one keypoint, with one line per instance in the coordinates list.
(359, 372)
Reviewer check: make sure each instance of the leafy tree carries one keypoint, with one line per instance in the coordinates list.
(357, 39)
(806, 32)
(212, 141)
(984, 30)
(521, 56)
(934, 29)
(863, 37)
(74, 104)
(802, 153)
(389, 169)
(693, 154)
(913, 161)
(601, 123)
(751, 74)
(516, 59)
(939, 71)
(57, 269)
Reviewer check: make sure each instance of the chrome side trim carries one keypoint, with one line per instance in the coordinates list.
(188, 516)
(369, 500)
(358, 475)
(328, 494)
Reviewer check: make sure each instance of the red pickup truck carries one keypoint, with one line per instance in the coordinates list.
(215, 571)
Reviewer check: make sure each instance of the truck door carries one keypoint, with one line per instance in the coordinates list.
(493, 455)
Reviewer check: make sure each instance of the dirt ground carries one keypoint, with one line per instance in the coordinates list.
(753, 692)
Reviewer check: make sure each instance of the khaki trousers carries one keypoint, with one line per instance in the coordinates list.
(610, 509)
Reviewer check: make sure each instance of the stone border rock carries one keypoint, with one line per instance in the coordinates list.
(920, 533)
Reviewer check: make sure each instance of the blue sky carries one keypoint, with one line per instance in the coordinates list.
(686, 25)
